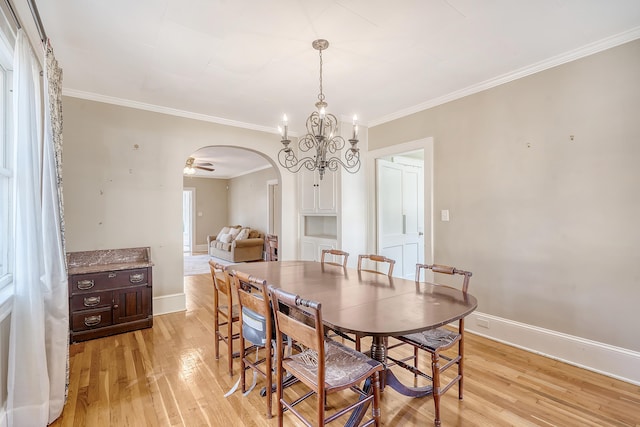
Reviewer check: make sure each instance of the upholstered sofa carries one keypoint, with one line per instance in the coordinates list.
(236, 244)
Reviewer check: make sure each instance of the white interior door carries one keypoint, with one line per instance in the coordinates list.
(401, 215)
(187, 219)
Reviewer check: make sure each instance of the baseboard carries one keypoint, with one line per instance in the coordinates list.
(603, 358)
(169, 304)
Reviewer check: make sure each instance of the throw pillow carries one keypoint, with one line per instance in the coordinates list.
(226, 238)
(253, 234)
(234, 232)
(243, 234)
(225, 230)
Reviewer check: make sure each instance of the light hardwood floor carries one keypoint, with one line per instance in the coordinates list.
(168, 376)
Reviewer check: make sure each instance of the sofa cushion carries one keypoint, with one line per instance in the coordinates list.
(225, 246)
(243, 234)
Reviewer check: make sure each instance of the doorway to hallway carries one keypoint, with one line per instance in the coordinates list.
(402, 204)
(188, 197)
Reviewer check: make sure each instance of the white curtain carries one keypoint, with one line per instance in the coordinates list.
(36, 359)
(56, 297)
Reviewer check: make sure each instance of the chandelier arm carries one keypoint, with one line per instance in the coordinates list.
(292, 163)
(307, 143)
(335, 144)
(351, 166)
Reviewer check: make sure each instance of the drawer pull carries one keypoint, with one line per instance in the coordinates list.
(136, 278)
(112, 275)
(83, 285)
(91, 301)
(93, 320)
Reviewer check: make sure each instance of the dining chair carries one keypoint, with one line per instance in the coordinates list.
(323, 365)
(377, 259)
(334, 253)
(345, 256)
(225, 312)
(271, 247)
(437, 341)
(256, 332)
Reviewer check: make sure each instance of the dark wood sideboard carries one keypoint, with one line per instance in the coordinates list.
(110, 292)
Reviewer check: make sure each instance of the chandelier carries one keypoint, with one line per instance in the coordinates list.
(321, 142)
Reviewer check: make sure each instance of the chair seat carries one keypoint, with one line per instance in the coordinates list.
(343, 365)
(235, 311)
(433, 339)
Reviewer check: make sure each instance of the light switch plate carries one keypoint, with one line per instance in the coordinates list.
(444, 214)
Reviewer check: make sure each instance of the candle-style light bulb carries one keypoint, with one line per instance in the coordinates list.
(355, 127)
(285, 123)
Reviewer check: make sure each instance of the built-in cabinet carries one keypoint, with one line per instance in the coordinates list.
(318, 196)
(318, 213)
(318, 232)
(311, 248)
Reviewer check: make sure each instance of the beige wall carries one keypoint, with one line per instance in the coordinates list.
(122, 171)
(212, 202)
(248, 199)
(548, 225)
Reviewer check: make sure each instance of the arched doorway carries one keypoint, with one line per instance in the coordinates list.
(234, 185)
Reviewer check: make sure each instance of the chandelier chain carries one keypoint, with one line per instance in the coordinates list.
(321, 95)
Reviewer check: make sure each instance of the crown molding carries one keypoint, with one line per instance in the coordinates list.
(590, 49)
(164, 110)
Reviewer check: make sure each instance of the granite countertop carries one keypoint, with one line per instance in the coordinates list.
(108, 260)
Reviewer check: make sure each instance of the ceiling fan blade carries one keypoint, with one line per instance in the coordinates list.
(204, 169)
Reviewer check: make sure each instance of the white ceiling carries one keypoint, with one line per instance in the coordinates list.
(248, 62)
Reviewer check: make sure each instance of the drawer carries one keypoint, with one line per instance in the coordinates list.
(91, 319)
(106, 280)
(91, 300)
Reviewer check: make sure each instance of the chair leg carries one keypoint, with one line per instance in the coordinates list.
(321, 401)
(230, 345)
(435, 373)
(376, 399)
(269, 371)
(216, 334)
(279, 379)
(357, 342)
(461, 361)
(243, 367)
(415, 364)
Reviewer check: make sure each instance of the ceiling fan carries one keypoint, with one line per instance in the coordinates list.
(191, 165)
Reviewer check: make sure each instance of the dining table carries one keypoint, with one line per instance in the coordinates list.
(368, 304)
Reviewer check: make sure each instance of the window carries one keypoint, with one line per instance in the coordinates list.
(6, 173)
